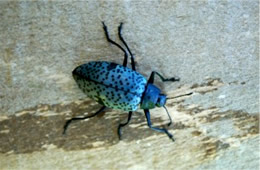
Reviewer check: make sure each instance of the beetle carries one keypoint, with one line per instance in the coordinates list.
(119, 87)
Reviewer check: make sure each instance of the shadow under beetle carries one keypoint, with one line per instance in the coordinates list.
(118, 87)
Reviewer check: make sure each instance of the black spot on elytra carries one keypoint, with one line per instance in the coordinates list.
(111, 66)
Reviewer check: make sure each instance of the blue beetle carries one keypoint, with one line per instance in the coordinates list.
(118, 87)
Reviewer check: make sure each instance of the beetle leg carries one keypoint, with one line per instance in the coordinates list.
(169, 116)
(128, 49)
(123, 124)
(151, 79)
(81, 118)
(147, 115)
(114, 43)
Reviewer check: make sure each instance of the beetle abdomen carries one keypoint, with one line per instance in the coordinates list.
(111, 84)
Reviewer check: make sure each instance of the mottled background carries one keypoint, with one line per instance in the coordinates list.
(213, 46)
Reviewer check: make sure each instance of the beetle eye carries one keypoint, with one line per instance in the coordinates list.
(161, 100)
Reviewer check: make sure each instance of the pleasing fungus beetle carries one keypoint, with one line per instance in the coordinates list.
(118, 87)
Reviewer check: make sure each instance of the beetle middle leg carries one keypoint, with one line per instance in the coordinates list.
(114, 43)
(123, 124)
(147, 115)
(151, 79)
(81, 118)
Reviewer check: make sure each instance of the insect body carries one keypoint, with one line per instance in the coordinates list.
(118, 87)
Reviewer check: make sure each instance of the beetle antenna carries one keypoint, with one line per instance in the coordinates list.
(188, 94)
(168, 116)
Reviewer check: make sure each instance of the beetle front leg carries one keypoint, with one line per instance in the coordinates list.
(123, 124)
(151, 79)
(147, 115)
(169, 116)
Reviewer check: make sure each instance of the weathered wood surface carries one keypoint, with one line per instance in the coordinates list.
(212, 46)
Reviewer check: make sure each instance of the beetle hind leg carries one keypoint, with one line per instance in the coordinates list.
(128, 49)
(123, 124)
(114, 43)
(65, 127)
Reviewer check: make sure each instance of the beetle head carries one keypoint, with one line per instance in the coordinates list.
(152, 97)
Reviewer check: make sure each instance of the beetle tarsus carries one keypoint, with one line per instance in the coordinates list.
(123, 124)
(66, 126)
(173, 79)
